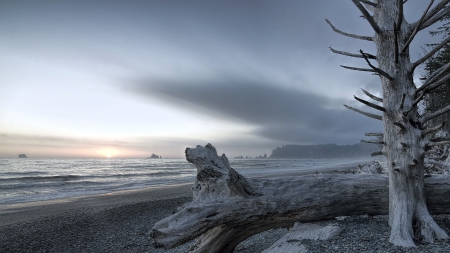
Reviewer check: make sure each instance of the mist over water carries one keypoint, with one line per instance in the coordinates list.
(27, 180)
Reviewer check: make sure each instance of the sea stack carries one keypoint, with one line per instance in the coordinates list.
(155, 156)
(22, 156)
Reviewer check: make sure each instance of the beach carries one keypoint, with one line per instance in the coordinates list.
(121, 222)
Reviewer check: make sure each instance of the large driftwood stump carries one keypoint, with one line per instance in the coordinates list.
(228, 208)
(216, 180)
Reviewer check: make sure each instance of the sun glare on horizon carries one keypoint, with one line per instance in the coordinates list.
(108, 152)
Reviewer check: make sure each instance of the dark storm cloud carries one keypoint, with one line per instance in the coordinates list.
(283, 37)
(277, 112)
(276, 43)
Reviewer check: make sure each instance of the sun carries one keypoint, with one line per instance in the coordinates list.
(108, 152)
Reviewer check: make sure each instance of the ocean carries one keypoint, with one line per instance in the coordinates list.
(28, 180)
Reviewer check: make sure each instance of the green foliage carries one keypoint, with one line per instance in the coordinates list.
(324, 151)
(441, 96)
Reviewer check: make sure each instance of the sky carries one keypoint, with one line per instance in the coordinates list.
(125, 79)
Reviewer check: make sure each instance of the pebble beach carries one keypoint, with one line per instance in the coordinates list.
(121, 222)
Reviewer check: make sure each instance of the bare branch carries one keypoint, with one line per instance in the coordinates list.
(348, 34)
(403, 99)
(373, 142)
(400, 15)
(358, 69)
(380, 108)
(429, 87)
(379, 71)
(438, 73)
(432, 52)
(400, 125)
(437, 84)
(370, 115)
(439, 143)
(441, 5)
(435, 114)
(369, 3)
(438, 139)
(428, 152)
(374, 134)
(433, 129)
(417, 26)
(351, 55)
(366, 14)
(433, 77)
(372, 96)
(435, 18)
(377, 153)
(369, 7)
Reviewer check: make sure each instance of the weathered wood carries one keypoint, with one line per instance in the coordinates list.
(432, 129)
(404, 142)
(374, 134)
(370, 115)
(416, 29)
(291, 241)
(368, 38)
(367, 16)
(373, 142)
(380, 108)
(358, 69)
(216, 180)
(378, 70)
(370, 56)
(372, 96)
(221, 219)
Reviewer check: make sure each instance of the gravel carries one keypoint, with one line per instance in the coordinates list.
(359, 234)
(125, 228)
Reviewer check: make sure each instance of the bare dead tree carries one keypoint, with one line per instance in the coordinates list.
(406, 138)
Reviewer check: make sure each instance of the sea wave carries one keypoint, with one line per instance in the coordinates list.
(23, 180)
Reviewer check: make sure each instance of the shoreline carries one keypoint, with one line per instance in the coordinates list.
(121, 221)
(22, 212)
(25, 211)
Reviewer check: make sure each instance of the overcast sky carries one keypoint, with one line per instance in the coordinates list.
(132, 78)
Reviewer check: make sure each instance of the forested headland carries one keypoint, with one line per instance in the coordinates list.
(324, 151)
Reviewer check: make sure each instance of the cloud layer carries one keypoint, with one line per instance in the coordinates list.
(277, 112)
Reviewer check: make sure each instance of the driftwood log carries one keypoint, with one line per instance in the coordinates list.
(228, 208)
(292, 242)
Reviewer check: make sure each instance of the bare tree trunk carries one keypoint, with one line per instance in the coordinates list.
(405, 139)
(403, 147)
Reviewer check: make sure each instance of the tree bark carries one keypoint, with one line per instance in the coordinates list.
(220, 217)
(407, 203)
